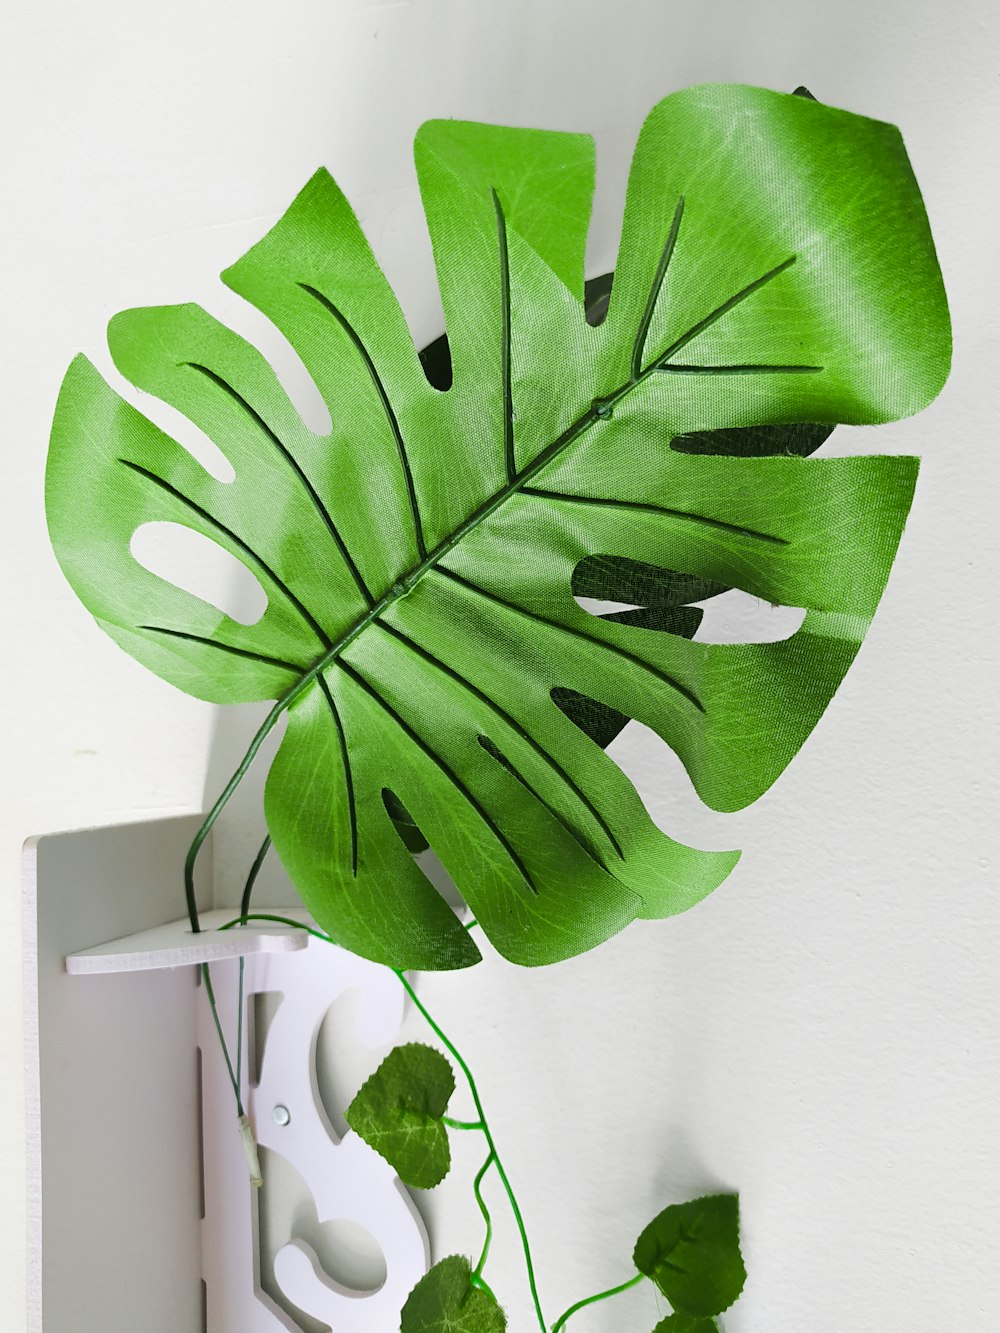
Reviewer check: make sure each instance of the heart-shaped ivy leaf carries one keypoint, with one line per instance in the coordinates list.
(692, 1252)
(398, 1112)
(683, 1323)
(419, 560)
(445, 1301)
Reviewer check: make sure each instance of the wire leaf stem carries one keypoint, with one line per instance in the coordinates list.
(601, 1296)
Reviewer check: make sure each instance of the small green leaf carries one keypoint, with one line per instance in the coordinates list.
(398, 1112)
(682, 1323)
(692, 1253)
(445, 1301)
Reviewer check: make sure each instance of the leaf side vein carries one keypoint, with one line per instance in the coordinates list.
(225, 647)
(643, 507)
(296, 467)
(247, 550)
(623, 653)
(444, 767)
(639, 346)
(505, 334)
(512, 722)
(345, 757)
(387, 408)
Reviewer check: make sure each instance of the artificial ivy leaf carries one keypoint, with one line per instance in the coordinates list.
(692, 1252)
(398, 1113)
(682, 1323)
(445, 1301)
(419, 560)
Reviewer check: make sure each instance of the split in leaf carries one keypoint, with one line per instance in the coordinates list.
(445, 1301)
(692, 1252)
(398, 1113)
(420, 560)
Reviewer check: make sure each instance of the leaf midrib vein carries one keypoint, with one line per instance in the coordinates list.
(600, 409)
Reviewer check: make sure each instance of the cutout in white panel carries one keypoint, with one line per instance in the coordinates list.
(196, 564)
(342, 1062)
(351, 1255)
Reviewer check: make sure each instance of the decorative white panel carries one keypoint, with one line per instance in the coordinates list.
(116, 1032)
(348, 1180)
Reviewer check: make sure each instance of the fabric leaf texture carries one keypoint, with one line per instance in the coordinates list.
(682, 1323)
(692, 1252)
(422, 560)
(398, 1113)
(445, 1301)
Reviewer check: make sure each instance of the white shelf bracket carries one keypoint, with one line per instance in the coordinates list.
(156, 1225)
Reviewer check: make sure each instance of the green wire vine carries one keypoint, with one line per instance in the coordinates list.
(481, 1125)
(493, 1160)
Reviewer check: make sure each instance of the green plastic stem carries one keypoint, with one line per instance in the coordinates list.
(478, 1281)
(244, 909)
(210, 993)
(255, 870)
(601, 1296)
(485, 1212)
(190, 861)
(515, 1209)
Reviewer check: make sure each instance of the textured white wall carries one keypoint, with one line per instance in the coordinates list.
(821, 1034)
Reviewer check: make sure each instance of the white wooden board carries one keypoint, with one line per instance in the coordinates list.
(113, 1115)
(142, 1213)
(176, 945)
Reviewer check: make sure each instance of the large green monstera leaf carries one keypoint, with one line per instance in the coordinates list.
(420, 560)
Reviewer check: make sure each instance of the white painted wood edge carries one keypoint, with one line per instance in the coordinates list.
(176, 945)
(33, 1088)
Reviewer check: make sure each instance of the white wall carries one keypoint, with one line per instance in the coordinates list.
(821, 1034)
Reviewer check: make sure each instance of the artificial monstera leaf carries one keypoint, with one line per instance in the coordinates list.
(692, 1252)
(664, 597)
(398, 1113)
(682, 1323)
(446, 1301)
(420, 560)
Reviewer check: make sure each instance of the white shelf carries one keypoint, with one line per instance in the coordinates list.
(176, 945)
